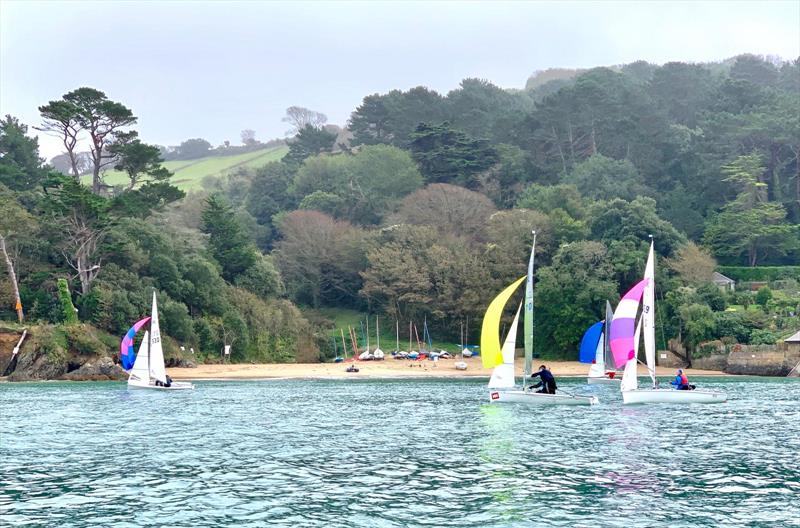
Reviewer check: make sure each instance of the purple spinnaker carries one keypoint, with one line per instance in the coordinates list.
(623, 325)
(127, 355)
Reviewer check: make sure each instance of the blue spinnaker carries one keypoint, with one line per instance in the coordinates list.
(589, 342)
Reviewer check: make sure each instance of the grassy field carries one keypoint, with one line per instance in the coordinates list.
(189, 174)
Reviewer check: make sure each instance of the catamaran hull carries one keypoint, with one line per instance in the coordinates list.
(602, 380)
(537, 398)
(672, 396)
(176, 385)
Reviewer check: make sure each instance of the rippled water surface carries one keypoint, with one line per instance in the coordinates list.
(393, 453)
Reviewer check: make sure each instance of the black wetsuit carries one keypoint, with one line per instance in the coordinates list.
(548, 381)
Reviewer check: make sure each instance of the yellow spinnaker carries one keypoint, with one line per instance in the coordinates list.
(491, 353)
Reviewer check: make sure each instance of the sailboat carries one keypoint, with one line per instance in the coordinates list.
(502, 382)
(625, 345)
(461, 364)
(595, 349)
(148, 371)
(378, 354)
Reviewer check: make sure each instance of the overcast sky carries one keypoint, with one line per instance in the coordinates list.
(210, 69)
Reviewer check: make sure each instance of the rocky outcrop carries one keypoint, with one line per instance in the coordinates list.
(177, 362)
(762, 360)
(102, 369)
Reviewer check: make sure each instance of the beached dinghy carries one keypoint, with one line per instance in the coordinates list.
(501, 384)
(625, 345)
(147, 370)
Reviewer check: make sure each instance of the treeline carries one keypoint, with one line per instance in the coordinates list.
(424, 209)
(98, 252)
(428, 211)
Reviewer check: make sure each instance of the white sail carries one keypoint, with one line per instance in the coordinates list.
(629, 380)
(140, 373)
(598, 368)
(157, 370)
(503, 374)
(648, 316)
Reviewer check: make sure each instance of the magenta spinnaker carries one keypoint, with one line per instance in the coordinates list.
(127, 355)
(623, 325)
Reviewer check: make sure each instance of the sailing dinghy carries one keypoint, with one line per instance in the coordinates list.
(148, 371)
(595, 349)
(625, 345)
(502, 383)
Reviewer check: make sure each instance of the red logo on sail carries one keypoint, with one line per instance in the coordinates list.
(495, 395)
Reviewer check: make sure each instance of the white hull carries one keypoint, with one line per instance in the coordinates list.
(536, 398)
(176, 385)
(672, 396)
(602, 380)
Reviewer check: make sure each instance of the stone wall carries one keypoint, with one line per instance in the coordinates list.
(762, 360)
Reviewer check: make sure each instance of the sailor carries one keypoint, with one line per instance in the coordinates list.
(681, 382)
(548, 382)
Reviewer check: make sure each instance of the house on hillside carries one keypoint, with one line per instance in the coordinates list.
(793, 342)
(723, 283)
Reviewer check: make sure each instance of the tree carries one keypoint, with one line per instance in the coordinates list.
(571, 295)
(249, 137)
(603, 178)
(447, 155)
(138, 159)
(192, 149)
(697, 324)
(81, 222)
(750, 224)
(300, 118)
(20, 164)
(227, 242)
(89, 110)
(63, 163)
(60, 118)
(693, 264)
(308, 142)
(319, 258)
(448, 208)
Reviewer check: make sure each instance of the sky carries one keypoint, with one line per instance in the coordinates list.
(211, 69)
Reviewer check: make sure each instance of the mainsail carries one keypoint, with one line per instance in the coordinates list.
(608, 357)
(491, 353)
(156, 353)
(528, 324)
(140, 373)
(622, 326)
(648, 315)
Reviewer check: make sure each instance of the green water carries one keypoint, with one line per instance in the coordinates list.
(393, 454)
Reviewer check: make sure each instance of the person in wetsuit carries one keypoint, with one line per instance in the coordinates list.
(547, 381)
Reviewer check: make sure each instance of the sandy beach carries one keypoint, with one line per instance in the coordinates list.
(389, 368)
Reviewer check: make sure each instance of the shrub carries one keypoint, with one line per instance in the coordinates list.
(763, 296)
(68, 311)
(763, 337)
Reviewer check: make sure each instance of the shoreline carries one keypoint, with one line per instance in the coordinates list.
(386, 369)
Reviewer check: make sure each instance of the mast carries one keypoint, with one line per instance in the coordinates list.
(648, 319)
(528, 323)
(608, 359)
(409, 337)
(344, 346)
(367, 332)
(377, 332)
(397, 343)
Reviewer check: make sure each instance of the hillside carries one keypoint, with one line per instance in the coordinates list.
(189, 174)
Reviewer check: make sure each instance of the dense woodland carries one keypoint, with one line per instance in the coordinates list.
(424, 210)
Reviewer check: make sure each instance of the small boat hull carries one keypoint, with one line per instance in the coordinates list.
(537, 398)
(176, 385)
(591, 380)
(672, 396)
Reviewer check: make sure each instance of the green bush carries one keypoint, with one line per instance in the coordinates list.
(763, 296)
(763, 337)
(68, 311)
(82, 340)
